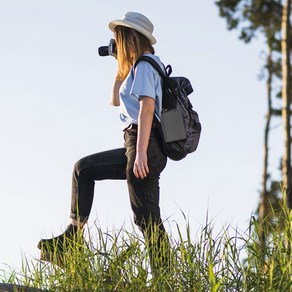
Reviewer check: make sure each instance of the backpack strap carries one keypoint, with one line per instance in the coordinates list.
(156, 66)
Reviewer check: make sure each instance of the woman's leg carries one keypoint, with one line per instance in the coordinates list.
(144, 197)
(100, 166)
(109, 164)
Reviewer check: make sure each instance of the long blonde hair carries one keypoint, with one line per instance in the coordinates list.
(131, 44)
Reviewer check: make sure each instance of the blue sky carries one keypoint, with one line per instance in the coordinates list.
(54, 109)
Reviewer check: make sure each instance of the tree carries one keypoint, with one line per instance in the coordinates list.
(286, 92)
(251, 18)
(264, 198)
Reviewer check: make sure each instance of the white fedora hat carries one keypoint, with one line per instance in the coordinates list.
(138, 22)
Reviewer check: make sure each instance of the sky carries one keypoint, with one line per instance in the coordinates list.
(54, 110)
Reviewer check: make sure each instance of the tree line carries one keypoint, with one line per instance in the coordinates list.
(270, 20)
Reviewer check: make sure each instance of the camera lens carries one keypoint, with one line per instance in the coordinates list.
(103, 51)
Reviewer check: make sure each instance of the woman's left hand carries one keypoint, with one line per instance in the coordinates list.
(140, 168)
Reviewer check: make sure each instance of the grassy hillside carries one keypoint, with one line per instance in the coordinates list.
(119, 262)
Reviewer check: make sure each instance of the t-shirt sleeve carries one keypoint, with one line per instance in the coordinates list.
(143, 83)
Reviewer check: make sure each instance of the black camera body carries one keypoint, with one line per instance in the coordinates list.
(110, 50)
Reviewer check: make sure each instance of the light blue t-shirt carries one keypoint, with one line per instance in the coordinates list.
(145, 81)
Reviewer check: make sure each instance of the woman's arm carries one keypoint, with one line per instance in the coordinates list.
(147, 106)
(115, 98)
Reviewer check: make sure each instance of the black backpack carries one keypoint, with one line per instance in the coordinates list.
(180, 127)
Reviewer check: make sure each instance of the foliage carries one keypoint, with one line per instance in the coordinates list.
(253, 16)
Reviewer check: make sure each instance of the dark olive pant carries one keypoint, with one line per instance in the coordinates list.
(118, 164)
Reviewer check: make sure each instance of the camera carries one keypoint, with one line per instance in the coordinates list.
(110, 50)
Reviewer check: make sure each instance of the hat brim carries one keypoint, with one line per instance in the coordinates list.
(148, 35)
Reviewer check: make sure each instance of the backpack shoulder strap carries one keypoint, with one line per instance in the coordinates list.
(155, 65)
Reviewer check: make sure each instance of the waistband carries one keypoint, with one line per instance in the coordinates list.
(135, 126)
(132, 129)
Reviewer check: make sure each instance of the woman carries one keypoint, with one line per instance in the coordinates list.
(138, 92)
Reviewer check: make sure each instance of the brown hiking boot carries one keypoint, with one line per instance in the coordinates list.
(54, 249)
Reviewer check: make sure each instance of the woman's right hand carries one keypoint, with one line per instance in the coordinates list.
(140, 168)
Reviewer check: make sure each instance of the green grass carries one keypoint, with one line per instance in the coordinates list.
(118, 261)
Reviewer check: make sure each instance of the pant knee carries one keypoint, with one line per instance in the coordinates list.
(80, 166)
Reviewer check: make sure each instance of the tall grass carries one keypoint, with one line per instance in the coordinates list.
(118, 261)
